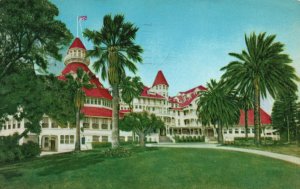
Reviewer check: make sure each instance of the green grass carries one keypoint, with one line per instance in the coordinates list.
(287, 149)
(152, 168)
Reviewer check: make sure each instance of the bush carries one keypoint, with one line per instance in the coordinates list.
(117, 152)
(241, 141)
(30, 149)
(10, 156)
(18, 154)
(96, 145)
(2, 157)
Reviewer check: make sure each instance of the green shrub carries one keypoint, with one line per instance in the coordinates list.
(18, 154)
(2, 157)
(117, 152)
(10, 156)
(242, 141)
(30, 149)
(96, 145)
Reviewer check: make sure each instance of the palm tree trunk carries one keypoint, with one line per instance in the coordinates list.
(115, 116)
(246, 122)
(288, 129)
(256, 112)
(142, 139)
(77, 145)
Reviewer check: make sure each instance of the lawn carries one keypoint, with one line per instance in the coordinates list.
(287, 149)
(152, 168)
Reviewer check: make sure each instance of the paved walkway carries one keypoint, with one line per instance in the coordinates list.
(291, 159)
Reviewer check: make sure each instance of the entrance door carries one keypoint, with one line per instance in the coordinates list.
(52, 144)
(162, 132)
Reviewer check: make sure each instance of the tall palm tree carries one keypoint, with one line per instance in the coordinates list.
(76, 82)
(115, 49)
(246, 103)
(262, 68)
(218, 105)
(131, 87)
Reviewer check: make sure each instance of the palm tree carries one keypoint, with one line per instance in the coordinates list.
(115, 49)
(76, 83)
(261, 69)
(218, 105)
(246, 103)
(131, 87)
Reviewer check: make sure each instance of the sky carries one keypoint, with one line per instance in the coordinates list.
(190, 40)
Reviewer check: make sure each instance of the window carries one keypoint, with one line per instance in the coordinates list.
(71, 139)
(14, 125)
(225, 131)
(122, 138)
(54, 124)
(248, 130)
(104, 138)
(46, 142)
(104, 124)
(62, 139)
(9, 126)
(67, 137)
(19, 125)
(45, 122)
(95, 123)
(86, 123)
(96, 138)
(230, 131)
(243, 131)
(236, 131)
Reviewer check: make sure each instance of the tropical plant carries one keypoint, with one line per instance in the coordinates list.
(115, 49)
(142, 124)
(246, 103)
(261, 69)
(77, 82)
(131, 87)
(284, 115)
(217, 105)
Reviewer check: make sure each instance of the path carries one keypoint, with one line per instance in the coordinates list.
(291, 159)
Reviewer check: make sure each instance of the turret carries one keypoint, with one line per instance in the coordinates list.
(160, 84)
(77, 53)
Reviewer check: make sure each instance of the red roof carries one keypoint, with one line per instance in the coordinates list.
(200, 87)
(98, 112)
(265, 118)
(146, 94)
(99, 91)
(77, 44)
(160, 79)
(188, 101)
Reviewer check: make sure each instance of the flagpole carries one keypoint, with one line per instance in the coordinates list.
(77, 26)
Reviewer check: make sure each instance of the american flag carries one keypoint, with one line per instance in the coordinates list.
(82, 18)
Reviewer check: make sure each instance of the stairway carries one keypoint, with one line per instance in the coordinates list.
(165, 139)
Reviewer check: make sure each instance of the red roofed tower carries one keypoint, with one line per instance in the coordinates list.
(98, 99)
(160, 84)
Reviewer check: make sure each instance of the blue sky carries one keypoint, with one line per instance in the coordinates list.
(190, 40)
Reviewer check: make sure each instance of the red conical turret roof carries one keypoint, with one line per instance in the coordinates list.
(160, 79)
(77, 44)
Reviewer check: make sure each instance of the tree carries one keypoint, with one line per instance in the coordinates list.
(219, 106)
(77, 82)
(142, 124)
(115, 49)
(260, 69)
(246, 103)
(30, 34)
(284, 115)
(131, 87)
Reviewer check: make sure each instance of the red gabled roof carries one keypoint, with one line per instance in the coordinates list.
(188, 101)
(146, 94)
(265, 118)
(160, 79)
(200, 87)
(98, 91)
(77, 44)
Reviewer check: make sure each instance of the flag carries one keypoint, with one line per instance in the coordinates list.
(82, 18)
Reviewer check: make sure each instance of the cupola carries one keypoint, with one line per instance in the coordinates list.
(77, 53)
